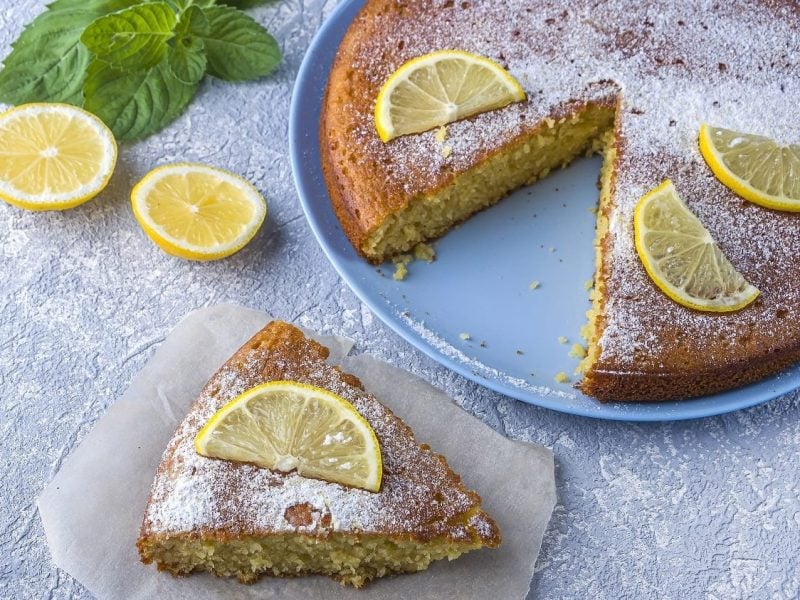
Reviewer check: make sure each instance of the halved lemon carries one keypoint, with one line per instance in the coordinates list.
(757, 168)
(287, 426)
(53, 156)
(682, 258)
(197, 212)
(439, 88)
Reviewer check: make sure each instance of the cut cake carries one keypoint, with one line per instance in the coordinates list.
(235, 519)
(632, 80)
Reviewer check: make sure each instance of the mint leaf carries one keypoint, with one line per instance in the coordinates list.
(188, 60)
(48, 62)
(135, 104)
(193, 21)
(243, 4)
(237, 47)
(181, 5)
(135, 38)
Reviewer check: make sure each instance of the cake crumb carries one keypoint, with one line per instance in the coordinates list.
(588, 284)
(447, 151)
(561, 377)
(592, 210)
(534, 284)
(465, 336)
(400, 271)
(562, 339)
(577, 351)
(520, 352)
(423, 251)
(441, 134)
(401, 266)
(483, 344)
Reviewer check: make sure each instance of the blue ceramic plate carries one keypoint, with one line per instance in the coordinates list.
(480, 282)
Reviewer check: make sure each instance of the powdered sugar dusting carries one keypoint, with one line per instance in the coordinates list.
(192, 493)
(671, 66)
(476, 366)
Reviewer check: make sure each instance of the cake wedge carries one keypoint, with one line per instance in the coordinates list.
(236, 519)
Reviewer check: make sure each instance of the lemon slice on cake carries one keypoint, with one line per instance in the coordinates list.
(287, 426)
(197, 212)
(757, 168)
(53, 156)
(439, 88)
(682, 258)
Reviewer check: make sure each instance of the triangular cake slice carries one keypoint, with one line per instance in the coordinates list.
(239, 520)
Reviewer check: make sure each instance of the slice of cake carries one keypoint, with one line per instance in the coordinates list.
(236, 519)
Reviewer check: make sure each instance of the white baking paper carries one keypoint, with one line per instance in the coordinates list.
(93, 507)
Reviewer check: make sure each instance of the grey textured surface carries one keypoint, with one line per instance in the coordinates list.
(704, 509)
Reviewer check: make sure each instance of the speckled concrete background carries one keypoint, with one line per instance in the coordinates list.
(705, 509)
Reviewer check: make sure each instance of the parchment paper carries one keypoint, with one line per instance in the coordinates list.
(93, 507)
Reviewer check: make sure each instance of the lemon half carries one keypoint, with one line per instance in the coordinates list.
(286, 426)
(53, 156)
(439, 88)
(682, 258)
(197, 212)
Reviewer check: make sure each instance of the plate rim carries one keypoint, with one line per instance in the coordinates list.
(679, 410)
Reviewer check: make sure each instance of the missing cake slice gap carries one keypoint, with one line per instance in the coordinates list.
(237, 520)
(589, 130)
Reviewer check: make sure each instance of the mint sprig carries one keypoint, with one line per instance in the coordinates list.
(135, 64)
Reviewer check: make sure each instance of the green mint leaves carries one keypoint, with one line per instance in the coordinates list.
(132, 39)
(236, 47)
(48, 62)
(138, 103)
(188, 59)
(135, 64)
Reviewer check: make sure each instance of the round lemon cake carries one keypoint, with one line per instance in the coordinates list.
(633, 81)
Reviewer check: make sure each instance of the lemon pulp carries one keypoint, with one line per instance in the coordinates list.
(197, 212)
(286, 426)
(53, 156)
(755, 167)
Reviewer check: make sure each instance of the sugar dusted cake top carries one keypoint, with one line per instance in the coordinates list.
(667, 66)
(419, 497)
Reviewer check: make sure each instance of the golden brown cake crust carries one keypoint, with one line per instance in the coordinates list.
(194, 497)
(672, 65)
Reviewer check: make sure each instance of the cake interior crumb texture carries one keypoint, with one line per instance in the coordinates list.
(632, 81)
